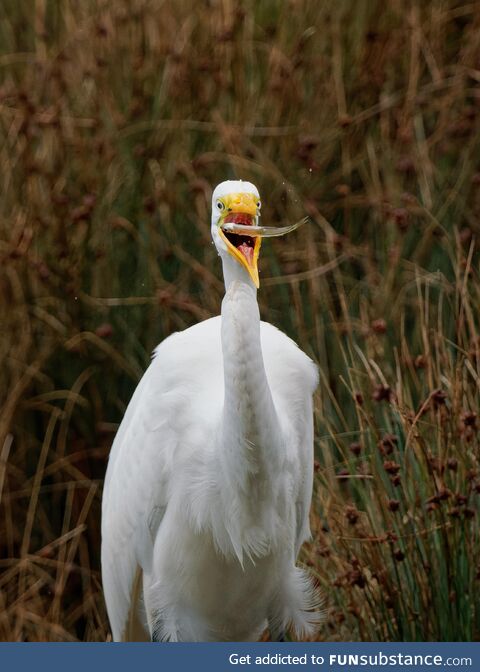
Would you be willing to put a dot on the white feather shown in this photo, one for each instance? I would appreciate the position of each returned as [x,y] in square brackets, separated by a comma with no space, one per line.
[208,487]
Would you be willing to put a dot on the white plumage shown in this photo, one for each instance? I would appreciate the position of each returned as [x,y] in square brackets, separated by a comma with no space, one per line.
[209,482]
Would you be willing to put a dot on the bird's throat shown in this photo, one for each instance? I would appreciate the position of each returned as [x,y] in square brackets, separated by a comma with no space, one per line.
[234,272]
[248,406]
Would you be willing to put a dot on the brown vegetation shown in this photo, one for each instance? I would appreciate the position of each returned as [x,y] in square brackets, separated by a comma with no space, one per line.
[115,121]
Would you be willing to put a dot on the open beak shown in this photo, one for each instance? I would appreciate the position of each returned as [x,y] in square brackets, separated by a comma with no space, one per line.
[242,235]
[242,210]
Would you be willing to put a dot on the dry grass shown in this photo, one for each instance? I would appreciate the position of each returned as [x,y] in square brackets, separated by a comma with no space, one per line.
[115,121]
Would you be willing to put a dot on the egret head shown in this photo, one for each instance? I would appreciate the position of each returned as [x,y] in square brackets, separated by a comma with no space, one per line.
[235,229]
[237,203]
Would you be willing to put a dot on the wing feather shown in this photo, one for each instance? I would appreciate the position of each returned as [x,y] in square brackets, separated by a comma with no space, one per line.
[144,453]
[293,378]
[181,395]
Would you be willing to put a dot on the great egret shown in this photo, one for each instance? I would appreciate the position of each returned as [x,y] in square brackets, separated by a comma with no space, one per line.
[209,481]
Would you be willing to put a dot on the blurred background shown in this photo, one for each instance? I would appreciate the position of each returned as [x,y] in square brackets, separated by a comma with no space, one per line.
[116,120]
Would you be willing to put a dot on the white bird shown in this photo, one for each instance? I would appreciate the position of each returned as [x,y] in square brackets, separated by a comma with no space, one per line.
[209,482]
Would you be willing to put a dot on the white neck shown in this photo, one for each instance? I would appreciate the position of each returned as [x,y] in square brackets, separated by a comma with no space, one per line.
[250,450]
[248,406]
[233,272]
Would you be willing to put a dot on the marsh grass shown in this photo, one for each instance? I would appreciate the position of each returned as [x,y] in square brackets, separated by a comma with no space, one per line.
[115,121]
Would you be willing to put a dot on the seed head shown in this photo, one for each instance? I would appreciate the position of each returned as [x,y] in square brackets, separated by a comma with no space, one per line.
[469,418]
[452,464]
[382,393]
[105,330]
[379,326]
[324,552]
[438,397]
[351,514]
[401,217]
[405,165]
[465,235]
[356,448]
[420,362]
[391,467]
[356,578]
[345,120]
[389,603]
[342,189]
[436,464]
[387,443]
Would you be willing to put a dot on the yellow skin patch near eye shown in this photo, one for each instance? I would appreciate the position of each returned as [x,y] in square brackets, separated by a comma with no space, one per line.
[232,207]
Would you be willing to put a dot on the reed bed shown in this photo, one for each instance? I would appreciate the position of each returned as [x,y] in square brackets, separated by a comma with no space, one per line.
[116,119]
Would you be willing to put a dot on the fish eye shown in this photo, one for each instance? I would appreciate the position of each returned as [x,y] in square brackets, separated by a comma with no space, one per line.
[220,205]
[259,204]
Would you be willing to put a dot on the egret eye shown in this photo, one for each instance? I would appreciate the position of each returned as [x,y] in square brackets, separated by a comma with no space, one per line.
[259,204]
[220,205]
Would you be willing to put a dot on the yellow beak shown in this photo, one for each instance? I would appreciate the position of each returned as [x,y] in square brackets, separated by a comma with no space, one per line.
[246,204]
